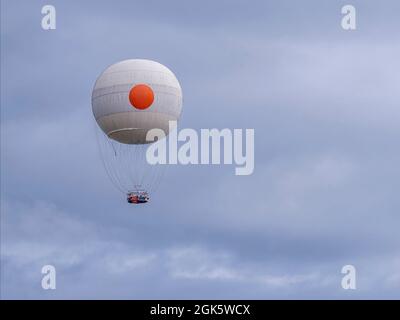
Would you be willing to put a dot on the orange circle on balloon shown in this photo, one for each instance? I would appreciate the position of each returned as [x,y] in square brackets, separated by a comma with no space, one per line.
[141,96]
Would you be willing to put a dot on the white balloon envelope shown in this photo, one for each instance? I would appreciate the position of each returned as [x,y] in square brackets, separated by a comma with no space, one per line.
[113,108]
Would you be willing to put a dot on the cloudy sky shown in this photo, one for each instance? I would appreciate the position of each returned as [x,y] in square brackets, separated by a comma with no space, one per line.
[324,104]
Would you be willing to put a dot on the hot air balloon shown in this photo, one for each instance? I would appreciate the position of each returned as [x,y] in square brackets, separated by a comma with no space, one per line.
[130,98]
